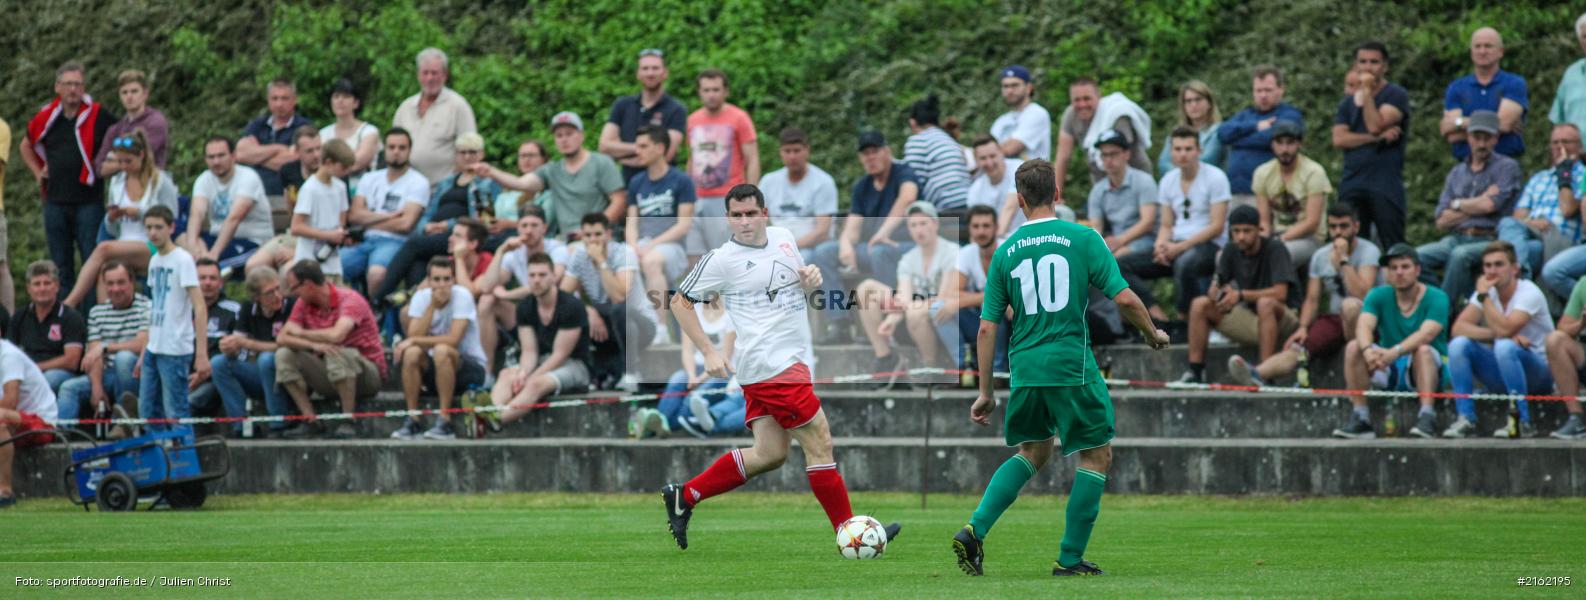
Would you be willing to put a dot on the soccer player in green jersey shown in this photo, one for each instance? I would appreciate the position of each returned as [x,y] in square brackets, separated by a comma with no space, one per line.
[1044,271]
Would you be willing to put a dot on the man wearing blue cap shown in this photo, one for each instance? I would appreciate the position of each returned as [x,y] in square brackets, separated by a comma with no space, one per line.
[1025,131]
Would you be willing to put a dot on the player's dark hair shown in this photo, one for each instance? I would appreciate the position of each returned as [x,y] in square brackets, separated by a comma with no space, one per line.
[308,271]
[531,210]
[161,212]
[442,262]
[713,73]
[1036,181]
[1185,131]
[402,132]
[656,133]
[596,218]
[793,135]
[983,139]
[206,262]
[473,229]
[980,210]
[112,266]
[927,111]
[1343,210]
[744,190]
[1501,246]
[305,131]
[541,258]
[231,145]
[1372,45]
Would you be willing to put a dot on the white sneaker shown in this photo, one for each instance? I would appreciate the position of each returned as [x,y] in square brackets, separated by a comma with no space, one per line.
[1460,429]
[629,383]
[1217,337]
[699,406]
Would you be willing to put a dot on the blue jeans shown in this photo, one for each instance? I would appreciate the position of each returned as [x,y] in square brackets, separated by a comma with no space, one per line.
[968,329]
[237,380]
[374,251]
[71,228]
[1458,256]
[1560,274]
[1503,367]
[674,400]
[729,413]
[56,377]
[117,380]
[163,390]
[878,261]
[1527,244]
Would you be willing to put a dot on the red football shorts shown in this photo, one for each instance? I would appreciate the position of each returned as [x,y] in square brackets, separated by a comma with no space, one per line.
[787,397]
[31,422]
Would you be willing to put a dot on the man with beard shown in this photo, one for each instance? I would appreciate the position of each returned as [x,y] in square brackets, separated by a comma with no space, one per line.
[387,207]
[1250,300]
[969,275]
[1291,194]
[1400,342]
[723,153]
[1025,131]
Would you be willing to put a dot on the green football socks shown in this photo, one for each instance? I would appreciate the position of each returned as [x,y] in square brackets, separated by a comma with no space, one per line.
[1001,492]
[1084,502]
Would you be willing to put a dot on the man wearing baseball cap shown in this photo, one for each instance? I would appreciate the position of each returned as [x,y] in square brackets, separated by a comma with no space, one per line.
[1477,193]
[583,181]
[1291,193]
[1252,298]
[1401,339]
[1025,131]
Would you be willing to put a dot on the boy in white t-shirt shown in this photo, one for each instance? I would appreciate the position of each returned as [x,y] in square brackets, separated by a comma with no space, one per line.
[319,220]
[442,350]
[26,404]
[1499,339]
[178,345]
[920,277]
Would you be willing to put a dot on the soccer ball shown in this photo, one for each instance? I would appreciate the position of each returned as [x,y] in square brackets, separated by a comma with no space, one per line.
[861,537]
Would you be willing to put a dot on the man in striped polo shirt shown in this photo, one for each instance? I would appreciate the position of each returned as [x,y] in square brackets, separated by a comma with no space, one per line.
[117,332]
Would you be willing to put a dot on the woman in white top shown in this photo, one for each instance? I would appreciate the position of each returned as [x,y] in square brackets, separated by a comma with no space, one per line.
[139,186]
[364,139]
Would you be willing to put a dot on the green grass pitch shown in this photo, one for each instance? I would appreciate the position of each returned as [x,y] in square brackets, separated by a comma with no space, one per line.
[779,546]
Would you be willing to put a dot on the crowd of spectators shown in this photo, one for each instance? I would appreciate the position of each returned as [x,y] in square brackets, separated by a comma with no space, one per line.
[369,254]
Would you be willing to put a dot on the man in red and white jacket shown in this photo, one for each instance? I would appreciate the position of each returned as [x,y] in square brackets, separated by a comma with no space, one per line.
[62,140]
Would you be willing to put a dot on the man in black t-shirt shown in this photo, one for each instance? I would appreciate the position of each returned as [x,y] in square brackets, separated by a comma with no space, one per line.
[1251,300]
[553,334]
[1371,127]
[49,332]
[222,320]
[651,106]
[245,366]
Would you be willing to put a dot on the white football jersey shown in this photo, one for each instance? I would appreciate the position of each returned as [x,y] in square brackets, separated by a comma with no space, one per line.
[760,286]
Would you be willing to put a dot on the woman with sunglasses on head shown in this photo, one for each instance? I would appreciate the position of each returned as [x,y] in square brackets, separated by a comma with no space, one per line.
[1197,108]
[139,186]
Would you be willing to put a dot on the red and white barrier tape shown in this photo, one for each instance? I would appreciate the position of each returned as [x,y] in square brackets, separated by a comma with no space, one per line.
[858,378]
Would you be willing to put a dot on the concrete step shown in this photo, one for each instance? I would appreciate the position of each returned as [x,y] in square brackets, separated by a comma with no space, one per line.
[1144,413]
[1537,467]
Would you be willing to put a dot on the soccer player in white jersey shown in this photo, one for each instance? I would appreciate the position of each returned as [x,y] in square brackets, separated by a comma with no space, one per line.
[762,281]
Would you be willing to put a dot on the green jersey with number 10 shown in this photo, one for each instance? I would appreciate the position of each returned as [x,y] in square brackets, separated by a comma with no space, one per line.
[1045,271]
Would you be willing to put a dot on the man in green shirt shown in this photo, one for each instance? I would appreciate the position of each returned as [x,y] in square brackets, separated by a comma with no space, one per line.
[1044,271]
[1401,338]
[1565,357]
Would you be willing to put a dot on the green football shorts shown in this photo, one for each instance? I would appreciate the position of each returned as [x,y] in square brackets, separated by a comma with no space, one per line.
[1079,416]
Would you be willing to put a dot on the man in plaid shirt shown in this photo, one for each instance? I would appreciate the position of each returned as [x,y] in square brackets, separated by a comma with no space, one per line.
[1547,219]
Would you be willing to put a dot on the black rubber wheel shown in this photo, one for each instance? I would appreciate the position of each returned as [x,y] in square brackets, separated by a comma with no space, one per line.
[187,496]
[117,493]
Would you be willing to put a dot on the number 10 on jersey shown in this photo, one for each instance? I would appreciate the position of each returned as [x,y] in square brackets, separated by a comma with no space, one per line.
[1043,282]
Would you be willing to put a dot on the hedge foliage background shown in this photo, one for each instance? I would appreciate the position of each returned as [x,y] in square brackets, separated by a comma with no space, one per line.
[829,67]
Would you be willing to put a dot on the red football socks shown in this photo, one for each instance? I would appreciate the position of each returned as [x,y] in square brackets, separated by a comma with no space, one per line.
[722,476]
[829,489]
